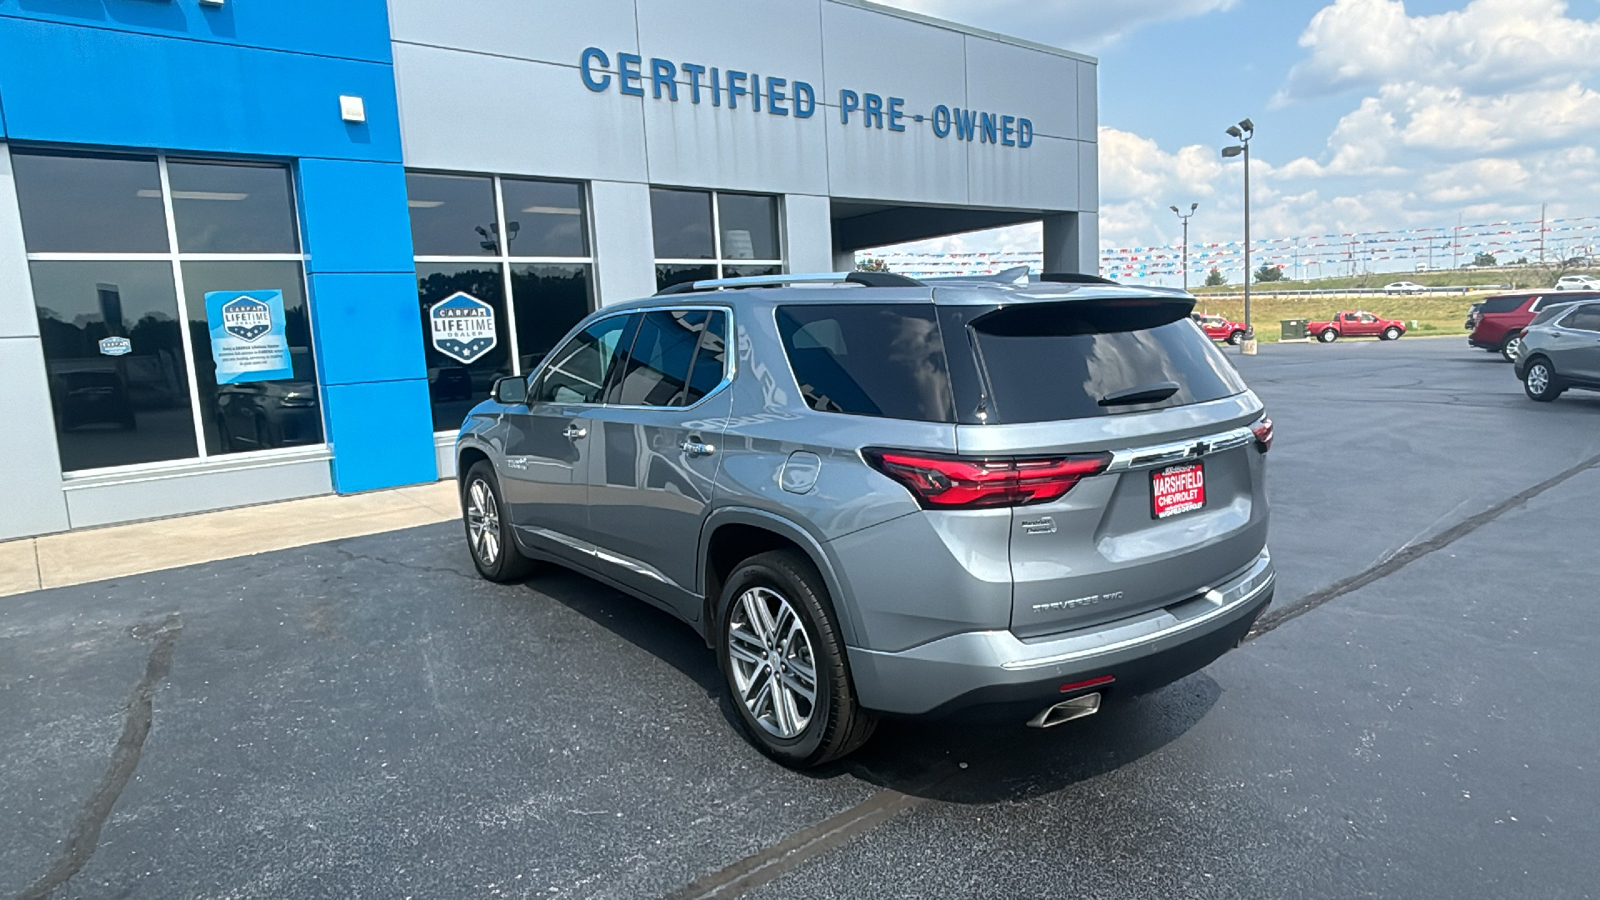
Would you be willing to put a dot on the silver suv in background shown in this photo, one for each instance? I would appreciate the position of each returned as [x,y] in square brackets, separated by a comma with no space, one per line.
[1561,350]
[874,496]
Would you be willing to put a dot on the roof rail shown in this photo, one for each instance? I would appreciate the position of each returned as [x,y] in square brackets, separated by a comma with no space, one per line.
[866,279]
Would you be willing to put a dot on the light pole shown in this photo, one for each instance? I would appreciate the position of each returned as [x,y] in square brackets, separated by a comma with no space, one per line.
[1242,133]
[1185,219]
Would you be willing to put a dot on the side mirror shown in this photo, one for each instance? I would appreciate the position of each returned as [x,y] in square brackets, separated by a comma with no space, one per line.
[511,390]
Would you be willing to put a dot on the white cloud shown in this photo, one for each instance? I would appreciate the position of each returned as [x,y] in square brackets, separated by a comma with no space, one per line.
[1482,114]
[1073,24]
[1488,45]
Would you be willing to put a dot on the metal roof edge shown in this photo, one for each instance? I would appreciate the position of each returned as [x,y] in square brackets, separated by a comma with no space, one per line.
[966,29]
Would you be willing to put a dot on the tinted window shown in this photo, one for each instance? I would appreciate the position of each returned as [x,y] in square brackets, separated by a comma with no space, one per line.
[1549,311]
[83,204]
[1062,361]
[710,361]
[113,349]
[452,215]
[577,372]
[682,223]
[1503,304]
[544,218]
[668,275]
[254,415]
[550,298]
[1584,318]
[657,369]
[461,378]
[749,226]
[232,208]
[871,360]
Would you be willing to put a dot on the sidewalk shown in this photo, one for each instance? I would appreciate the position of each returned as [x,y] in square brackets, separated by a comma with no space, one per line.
[78,557]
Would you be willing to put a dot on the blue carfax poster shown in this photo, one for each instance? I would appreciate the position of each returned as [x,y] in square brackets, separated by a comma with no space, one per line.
[248,339]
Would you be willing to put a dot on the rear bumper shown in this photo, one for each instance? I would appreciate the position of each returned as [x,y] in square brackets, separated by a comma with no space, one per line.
[995,668]
[1482,344]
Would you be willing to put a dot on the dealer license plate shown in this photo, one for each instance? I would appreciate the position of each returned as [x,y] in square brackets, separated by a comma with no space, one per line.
[1177,489]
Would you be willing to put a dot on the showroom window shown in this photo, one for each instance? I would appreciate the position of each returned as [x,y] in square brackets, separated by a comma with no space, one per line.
[126,253]
[714,234]
[468,265]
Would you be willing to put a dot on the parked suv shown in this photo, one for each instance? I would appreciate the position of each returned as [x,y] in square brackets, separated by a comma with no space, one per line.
[1501,318]
[883,497]
[1561,350]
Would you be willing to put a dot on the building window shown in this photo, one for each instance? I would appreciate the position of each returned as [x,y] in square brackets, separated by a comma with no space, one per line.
[714,234]
[494,300]
[125,251]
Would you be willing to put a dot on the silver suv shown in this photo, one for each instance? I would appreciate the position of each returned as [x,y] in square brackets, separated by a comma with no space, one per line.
[874,496]
[1561,350]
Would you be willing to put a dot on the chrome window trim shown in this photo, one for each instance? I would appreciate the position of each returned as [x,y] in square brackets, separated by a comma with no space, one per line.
[730,360]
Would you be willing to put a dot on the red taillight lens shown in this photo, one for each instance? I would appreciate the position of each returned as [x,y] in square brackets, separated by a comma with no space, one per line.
[960,482]
[1263,432]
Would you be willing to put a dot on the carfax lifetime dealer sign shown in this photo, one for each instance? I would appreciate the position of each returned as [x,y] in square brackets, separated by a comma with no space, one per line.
[248,338]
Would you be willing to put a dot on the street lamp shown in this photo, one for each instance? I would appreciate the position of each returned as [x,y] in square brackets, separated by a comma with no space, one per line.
[1183,217]
[1242,133]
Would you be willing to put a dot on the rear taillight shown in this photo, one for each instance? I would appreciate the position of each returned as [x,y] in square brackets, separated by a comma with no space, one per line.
[1263,432]
[966,482]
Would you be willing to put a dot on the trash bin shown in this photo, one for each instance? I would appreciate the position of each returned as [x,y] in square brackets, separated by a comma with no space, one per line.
[1295,329]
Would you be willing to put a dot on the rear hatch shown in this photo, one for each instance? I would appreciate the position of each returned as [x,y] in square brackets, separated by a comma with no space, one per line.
[1179,502]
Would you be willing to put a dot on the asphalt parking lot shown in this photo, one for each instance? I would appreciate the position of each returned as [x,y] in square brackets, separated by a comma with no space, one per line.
[366,718]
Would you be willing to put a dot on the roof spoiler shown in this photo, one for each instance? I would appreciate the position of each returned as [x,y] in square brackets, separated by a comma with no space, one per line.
[1074,278]
[865,279]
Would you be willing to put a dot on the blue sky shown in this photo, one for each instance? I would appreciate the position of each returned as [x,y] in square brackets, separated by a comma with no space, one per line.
[1370,114]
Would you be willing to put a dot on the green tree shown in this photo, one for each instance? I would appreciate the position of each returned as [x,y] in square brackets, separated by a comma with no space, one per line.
[1214,278]
[1485,259]
[1269,273]
[872,264]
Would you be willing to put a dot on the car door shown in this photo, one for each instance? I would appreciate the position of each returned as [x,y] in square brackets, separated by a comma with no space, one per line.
[545,480]
[1364,325]
[1578,352]
[658,437]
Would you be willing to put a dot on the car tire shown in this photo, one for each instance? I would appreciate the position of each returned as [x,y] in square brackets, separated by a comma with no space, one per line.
[774,612]
[1392,334]
[1328,336]
[489,537]
[1510,348]
[1539,380]
[1236,338]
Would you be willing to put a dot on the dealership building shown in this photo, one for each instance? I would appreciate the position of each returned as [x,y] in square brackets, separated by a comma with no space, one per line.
[253,250]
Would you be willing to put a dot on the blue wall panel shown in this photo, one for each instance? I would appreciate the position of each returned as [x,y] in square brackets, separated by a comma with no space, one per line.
[368,329]
[364,422]
[354,29]
[67,84]
[356,219]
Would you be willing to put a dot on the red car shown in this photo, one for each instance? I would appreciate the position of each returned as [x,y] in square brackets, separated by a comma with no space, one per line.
[1498,322]
[1218,328]
[1357,324]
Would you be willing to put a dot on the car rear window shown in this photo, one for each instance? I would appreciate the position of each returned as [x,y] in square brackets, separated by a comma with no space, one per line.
[1078,360]
[869,359]
[1035,362]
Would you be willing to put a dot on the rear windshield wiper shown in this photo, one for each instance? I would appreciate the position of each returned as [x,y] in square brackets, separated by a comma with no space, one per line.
[1154,392]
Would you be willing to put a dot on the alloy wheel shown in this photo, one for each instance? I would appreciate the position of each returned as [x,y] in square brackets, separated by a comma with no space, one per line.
[1538,379]
[774,668]
[483,522]
[1513,347]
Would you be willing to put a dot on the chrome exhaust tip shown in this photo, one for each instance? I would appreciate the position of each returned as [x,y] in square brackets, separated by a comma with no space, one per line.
[1066,711]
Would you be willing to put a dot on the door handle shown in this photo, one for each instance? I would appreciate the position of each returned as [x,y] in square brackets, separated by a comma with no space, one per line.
[696,448]
[576,431]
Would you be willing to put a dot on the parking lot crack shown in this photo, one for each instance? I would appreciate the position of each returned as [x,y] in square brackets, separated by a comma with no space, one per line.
[1411,553]
[408,566]
[137,717]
